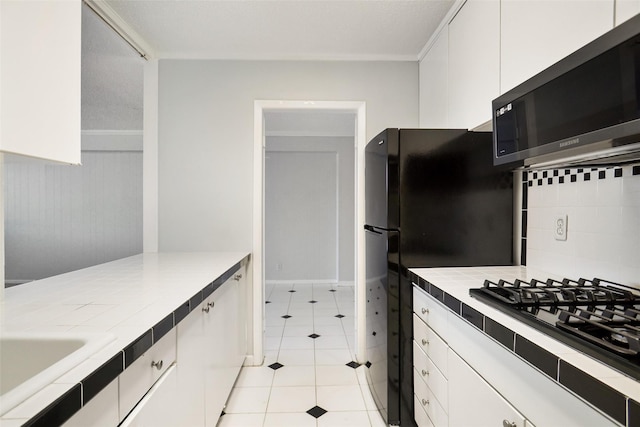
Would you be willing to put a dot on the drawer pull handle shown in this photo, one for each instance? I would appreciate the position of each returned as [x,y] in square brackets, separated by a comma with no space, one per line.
[425,310]
[507,423]
[157,365]
[237,277]
[426,402]
[425,373]
[425,342]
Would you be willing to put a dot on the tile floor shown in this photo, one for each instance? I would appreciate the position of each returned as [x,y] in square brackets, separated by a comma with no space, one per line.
[309,377]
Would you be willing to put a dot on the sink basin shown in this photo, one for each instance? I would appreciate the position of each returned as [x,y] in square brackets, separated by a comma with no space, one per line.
[28,363]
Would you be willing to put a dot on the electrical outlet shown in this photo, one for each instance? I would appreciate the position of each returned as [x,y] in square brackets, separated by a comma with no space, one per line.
[560,227]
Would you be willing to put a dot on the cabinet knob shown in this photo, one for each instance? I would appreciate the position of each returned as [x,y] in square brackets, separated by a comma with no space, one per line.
[425,341]
[507,423]
[425,373]
[157,365]
[425,310]
[425,402]
[206,308]
[211,304]
[237,277]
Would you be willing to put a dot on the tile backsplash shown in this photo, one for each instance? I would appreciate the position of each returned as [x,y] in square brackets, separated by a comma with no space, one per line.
[602,206]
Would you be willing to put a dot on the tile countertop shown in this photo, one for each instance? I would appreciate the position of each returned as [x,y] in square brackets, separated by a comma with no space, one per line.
[457,281]
[125,298]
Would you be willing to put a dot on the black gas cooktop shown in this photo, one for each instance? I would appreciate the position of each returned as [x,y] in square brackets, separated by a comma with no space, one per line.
[598,317]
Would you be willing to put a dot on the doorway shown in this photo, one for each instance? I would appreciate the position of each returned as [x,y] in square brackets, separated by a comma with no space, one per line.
[266,113]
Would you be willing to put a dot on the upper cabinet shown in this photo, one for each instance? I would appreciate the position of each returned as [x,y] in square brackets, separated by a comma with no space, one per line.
[536,34]
[474,63]
[40,78]
[433,84]
[625,9]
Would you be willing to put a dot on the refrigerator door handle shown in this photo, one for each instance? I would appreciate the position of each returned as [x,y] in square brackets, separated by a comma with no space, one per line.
[374,229]
[371,228]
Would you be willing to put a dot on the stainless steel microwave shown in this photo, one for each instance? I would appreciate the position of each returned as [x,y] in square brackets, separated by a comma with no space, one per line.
[585,109]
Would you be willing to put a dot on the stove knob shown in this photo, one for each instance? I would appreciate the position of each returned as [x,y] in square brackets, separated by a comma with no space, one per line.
[507,423]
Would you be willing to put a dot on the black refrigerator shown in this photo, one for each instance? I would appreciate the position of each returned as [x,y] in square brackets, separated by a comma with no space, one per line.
[433,199]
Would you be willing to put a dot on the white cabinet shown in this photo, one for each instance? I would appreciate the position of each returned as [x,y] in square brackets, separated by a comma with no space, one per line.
[430,361]
[101,411]
[140,376]
[156,409]
[211,351]
[537,34]
[40,77]
[474,63]
[433,84]
[625,9]
[474,402]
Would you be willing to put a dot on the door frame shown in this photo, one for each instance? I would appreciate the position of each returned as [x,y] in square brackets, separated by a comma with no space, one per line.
[257,314]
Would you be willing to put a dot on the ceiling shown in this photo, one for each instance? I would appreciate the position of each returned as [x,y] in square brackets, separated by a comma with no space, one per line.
[284,29]
[112,72]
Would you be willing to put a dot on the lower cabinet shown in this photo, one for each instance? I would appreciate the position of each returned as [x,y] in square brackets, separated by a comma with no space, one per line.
[186,377]
[156,407]
[211,346]
[474,402]
[447,391]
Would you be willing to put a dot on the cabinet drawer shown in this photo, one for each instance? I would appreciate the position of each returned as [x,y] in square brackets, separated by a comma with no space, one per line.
[419,414]
[429,403]
[431,375]
[138,378]
[431,311]
[431,344]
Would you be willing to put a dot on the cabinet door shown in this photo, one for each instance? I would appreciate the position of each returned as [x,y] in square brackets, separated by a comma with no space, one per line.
[433,84]
[537,34]
[156,409]
[40,78]
[219,341]
[190,368]
[101,411]
[473,402]
[474,63]
[625,9]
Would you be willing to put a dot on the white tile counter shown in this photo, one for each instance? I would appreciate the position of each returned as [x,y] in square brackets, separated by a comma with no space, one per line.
[452,285]
[129,298]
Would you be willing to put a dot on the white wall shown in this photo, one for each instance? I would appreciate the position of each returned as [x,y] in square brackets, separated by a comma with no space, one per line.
[61,218]
[280,245]
[603,226]
[205,134]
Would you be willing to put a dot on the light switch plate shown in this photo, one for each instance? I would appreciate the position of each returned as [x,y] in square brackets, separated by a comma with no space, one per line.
[560,227]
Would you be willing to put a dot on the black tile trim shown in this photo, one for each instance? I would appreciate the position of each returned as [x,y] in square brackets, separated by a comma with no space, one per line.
[597,393]
[102,377]
[59,411]
[181,312]
[453,303]
[436,292]
[500,333]
[473,316]
[634,413]
[195,301]
[137,348]
[162,327]
[537,356]
[227,274]
[208,290]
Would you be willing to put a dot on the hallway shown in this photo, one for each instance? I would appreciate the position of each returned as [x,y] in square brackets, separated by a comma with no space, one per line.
[309,377]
